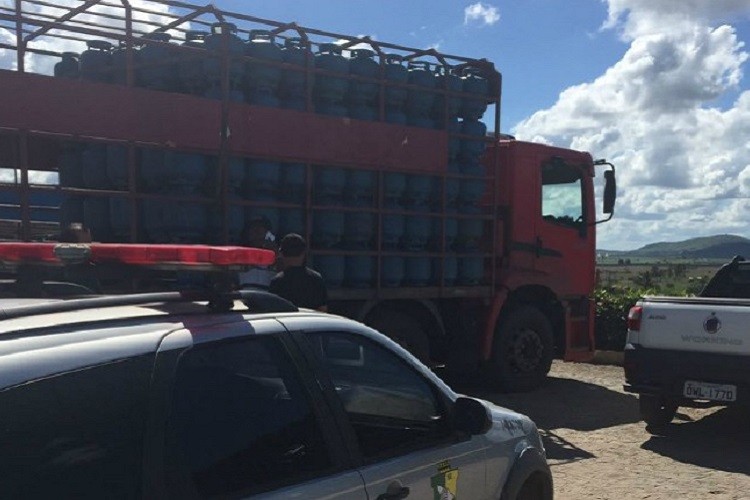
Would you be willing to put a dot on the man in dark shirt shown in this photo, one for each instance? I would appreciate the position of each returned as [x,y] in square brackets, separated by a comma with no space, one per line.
[297,283]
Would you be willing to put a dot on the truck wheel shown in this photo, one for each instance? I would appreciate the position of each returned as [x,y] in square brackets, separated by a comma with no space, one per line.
[403,329]
[522,350]
[656,411]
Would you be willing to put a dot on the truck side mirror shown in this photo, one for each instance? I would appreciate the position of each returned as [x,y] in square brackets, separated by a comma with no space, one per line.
[610,192]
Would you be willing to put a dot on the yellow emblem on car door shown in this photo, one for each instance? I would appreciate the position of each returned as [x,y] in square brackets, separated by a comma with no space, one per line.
[445,483]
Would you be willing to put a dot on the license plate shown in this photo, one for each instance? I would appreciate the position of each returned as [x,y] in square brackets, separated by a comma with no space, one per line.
[711,392]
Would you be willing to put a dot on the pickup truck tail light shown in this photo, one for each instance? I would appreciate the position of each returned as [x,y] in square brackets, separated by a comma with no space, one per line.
[634,318]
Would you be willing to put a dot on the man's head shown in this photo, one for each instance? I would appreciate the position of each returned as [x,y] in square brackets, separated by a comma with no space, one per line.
[292,249]
[255,231]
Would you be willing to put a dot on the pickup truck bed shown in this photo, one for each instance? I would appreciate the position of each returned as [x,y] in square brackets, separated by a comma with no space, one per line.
[687,352]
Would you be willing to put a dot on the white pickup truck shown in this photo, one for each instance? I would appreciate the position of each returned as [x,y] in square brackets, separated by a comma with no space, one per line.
[691,351]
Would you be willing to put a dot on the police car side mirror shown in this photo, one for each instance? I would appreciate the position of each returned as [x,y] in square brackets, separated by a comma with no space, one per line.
[471,416]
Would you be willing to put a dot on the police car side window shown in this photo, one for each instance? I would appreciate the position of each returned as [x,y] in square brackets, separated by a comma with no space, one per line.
[391,407]
[240,422]
[77,434]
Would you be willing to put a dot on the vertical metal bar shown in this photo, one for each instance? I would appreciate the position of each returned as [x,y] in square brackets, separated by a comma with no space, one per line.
[132,198]
[20,44]
[23,167]
[224,148]
[496,176]
[129,53]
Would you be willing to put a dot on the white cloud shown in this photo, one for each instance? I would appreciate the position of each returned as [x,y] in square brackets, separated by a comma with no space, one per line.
[682,160]
[35,63]
[482,13]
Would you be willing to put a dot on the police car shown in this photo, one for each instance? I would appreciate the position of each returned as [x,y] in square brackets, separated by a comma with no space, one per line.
[234,394]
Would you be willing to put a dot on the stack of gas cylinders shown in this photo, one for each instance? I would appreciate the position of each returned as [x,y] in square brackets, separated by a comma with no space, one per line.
[356,214]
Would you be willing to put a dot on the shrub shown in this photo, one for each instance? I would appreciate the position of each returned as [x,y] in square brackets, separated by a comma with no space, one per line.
[611,322]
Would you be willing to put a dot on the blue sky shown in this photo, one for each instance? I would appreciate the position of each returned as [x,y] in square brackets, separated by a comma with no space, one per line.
[658,87]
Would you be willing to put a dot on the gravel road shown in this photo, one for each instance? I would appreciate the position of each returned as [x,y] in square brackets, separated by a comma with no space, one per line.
[598,448]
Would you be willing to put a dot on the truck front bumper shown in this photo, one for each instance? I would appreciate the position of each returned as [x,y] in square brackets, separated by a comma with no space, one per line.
[662,372]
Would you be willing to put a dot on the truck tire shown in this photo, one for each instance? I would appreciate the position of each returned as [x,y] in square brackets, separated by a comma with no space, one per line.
[403,329]
[656,411]
[522,350]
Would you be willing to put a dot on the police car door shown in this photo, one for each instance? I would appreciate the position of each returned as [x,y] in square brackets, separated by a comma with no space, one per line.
[242,421]
[406,446]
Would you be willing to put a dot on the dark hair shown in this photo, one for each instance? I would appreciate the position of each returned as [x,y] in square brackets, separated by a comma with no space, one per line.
[259,220]
[292,245]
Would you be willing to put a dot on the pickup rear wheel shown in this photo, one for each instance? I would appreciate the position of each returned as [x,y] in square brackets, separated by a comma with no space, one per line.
[656,411]
[522,350]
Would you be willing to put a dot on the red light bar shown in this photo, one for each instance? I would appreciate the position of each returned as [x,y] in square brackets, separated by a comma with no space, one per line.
[139,254]
[18,253]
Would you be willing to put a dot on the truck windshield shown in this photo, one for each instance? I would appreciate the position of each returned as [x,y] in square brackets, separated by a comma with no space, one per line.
[562,200]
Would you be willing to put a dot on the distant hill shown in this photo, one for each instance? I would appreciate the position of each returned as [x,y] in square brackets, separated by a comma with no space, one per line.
[724,246]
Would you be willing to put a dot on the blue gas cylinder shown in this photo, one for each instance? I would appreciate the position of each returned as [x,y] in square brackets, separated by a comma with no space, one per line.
[361,96]
[237,176]
[330,91]
[69,166]
[119,218]
[120,63]
[156,71]
[332,268]
[152,172]
[262,181]
[292,220]
[262,80]
[419,102]
[394,226]
[292,89]
[214,92]
[448,80]
[96,61]
[472,149]
[394,185]
[235,224]
[448,228]
[187,172]
[214,43]
[454,143]
[117,166]
[392,271]
[450,270]
[294,182]
[417,233]
[330,183]
[470,271]
[452,187]
[359,271]
[358,230]
[328,229]
[71,210]
[360,185]
[68,65]
[190,66]
[474,107]
[395,73]
[418,271]
[418,191]
[94,166]
[470,232]
[175,222]
[472,189]
[96,218]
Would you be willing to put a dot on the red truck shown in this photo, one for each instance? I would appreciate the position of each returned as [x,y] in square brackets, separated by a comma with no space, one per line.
[474,250]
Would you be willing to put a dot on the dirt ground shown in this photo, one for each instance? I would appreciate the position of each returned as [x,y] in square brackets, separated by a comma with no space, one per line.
[598,448]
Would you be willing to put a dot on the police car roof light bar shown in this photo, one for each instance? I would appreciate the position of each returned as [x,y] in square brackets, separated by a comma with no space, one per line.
[134,254]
